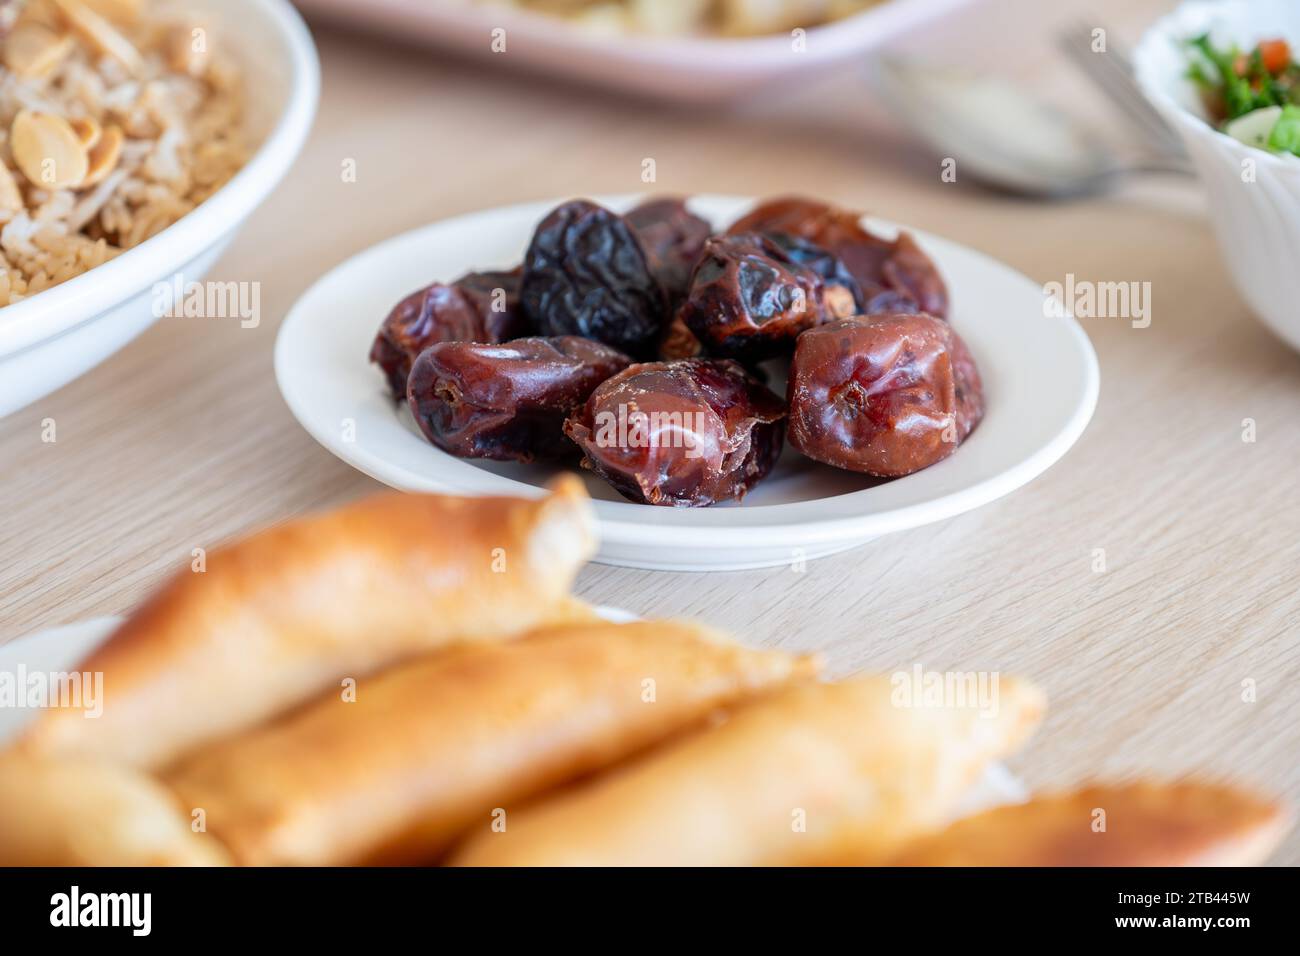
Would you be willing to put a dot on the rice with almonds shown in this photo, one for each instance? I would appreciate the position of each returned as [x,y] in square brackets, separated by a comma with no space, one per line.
[117,117]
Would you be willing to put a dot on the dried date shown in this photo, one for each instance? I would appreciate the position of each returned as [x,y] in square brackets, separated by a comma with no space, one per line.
[507,401]
[968,388]
[879,265]
[478,307]
[750,300]
[886,395]
[686,433]
[843,295]
[679,342]
[673,238]
[587,274]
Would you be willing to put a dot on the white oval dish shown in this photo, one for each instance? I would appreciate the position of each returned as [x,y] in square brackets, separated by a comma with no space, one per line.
[56,335]
[1040,378]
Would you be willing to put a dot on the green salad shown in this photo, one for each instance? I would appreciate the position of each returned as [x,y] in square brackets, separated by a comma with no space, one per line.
[1254,95]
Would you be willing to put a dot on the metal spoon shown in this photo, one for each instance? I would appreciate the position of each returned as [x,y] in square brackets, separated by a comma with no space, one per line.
[996,133]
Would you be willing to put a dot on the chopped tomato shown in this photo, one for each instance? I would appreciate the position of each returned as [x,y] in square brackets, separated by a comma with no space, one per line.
[1275,55]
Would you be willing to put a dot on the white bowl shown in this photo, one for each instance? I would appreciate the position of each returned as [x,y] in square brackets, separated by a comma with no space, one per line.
[56,335]
[1040,378]
[699,69]
[1254,195]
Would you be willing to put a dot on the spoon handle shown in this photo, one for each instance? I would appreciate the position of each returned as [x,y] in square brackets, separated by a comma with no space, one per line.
[1160,163]
[1111,72]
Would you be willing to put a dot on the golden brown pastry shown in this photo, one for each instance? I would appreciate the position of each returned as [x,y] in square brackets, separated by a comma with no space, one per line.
[802,776]
[1136,824]
[82,813]
[433,745]
[280,615]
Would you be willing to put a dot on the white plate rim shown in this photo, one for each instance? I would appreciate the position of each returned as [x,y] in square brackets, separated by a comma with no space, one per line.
[760,527]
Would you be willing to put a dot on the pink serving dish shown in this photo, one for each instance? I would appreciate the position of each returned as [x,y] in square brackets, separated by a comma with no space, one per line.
[686,68]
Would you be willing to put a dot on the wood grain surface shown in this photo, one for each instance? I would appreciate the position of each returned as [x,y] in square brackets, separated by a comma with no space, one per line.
[182,440]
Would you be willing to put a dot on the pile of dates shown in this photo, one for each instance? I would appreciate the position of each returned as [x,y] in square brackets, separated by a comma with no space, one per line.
[633,342]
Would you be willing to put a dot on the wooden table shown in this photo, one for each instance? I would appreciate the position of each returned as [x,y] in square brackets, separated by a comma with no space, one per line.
[182,439]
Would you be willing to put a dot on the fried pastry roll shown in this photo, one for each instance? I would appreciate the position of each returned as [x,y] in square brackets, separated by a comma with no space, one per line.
[431,746]
[797,777]
[83,813]
[1136,824]
[280,615]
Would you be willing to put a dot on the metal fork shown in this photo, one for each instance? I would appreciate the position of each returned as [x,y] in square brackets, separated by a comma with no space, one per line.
[1112,72]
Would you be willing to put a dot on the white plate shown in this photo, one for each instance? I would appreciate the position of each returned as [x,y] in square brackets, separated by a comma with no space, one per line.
[59,649]
[685,68]
[1040,378]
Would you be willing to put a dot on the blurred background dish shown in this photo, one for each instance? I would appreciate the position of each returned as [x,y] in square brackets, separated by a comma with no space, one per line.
[1254,194]
[1013,140]
[52,336]
[685,50]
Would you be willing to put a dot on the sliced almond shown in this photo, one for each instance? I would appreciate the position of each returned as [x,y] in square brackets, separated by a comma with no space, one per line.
[11,197]
[33,50]
[47,150]
[103,158]
[839,302]
[121,11]
[41,12]
[101,34]
[187,50]
[87,131]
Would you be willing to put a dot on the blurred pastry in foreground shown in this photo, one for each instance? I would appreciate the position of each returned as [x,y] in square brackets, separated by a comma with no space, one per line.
[278,616]
[433,745]
[1135,824]
[83,813]
[807,775]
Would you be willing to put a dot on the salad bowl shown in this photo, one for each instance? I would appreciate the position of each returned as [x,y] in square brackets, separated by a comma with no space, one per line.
[1253,193]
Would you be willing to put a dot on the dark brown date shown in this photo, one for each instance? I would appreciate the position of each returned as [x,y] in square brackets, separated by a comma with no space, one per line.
[843,296]
[968,388]
[679,342]
[496,298]
[586,274]
[686,433]
[673,238]
[878,264]
[749,299]
[477,307]
[507,401]
[886,395]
